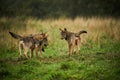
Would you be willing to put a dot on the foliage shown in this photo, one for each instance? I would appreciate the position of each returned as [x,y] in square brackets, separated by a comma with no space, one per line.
[53,8]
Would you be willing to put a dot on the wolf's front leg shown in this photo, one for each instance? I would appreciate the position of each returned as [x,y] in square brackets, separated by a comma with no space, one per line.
[25,53]
[36,50]
[31,53]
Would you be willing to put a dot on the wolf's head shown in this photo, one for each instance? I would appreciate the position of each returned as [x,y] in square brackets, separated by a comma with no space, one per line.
[42,38]
[45,39]
[63,33]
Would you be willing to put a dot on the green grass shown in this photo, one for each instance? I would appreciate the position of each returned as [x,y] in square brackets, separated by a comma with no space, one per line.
[57,65]
[69,68]
[99,56]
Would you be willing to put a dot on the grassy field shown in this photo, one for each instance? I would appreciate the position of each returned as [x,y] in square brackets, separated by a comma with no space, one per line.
[99,57]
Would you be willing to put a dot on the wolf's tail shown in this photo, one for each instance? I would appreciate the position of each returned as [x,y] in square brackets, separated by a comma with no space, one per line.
[81,32]
[16,36]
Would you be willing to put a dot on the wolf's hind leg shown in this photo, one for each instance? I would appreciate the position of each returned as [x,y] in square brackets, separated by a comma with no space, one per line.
[74,49]
[31,53]
[79,44]
[41,51]
[69,47]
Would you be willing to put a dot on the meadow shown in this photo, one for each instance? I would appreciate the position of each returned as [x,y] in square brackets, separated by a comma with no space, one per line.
[99,57]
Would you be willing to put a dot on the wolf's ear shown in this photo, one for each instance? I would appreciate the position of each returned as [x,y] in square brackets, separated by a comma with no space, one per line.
[65,29]
[60,29]
[46,35]
[42,33]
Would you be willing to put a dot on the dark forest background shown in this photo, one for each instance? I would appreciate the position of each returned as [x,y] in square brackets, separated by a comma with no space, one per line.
[58,8]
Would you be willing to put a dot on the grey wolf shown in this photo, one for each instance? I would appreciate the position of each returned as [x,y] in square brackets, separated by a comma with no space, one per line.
[73,39]
[31,42]
[42,38]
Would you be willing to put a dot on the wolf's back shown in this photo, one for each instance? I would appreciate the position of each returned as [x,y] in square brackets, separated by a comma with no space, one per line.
[16,36]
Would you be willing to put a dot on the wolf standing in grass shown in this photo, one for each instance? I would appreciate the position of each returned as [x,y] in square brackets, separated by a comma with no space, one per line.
[73,39]
[30,43]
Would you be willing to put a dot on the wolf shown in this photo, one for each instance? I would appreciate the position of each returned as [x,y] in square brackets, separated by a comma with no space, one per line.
[73,39]
[31,42]
[43,42]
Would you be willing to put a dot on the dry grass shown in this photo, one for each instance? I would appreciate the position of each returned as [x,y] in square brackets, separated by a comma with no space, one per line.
[96,28]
